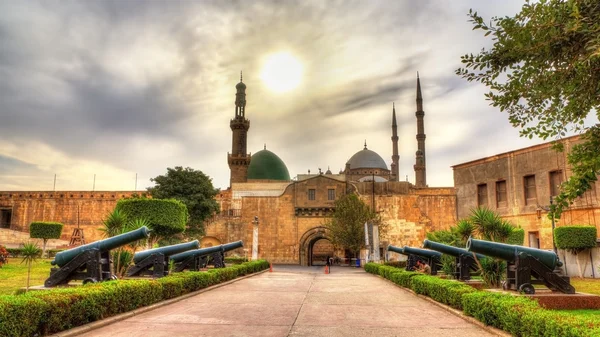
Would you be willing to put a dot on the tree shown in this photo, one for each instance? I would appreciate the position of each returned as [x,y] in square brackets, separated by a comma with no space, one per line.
[347,224]
[30,252]
[194,189]
[45,231]
[544,71]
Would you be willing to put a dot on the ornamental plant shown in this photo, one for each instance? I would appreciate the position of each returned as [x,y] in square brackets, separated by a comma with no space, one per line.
[45,231]
[30,252]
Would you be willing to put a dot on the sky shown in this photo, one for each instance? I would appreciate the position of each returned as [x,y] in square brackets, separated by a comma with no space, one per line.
[122,89]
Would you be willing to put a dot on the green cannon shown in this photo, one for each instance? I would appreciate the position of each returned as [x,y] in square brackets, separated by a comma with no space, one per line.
[465,262]
[523,264]
[91,262]
[199,258]
[432,258]
[155,262]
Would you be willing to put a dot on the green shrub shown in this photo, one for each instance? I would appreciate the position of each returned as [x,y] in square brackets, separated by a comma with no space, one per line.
[165,216]
[45,230]
[235,260]
[444,291]
[516,237]
[575,238]
[397,264]
[404,279]
[47,312]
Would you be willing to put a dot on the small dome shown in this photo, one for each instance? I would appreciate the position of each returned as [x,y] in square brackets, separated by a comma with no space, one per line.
[266,165]
[240,85]
[367,159]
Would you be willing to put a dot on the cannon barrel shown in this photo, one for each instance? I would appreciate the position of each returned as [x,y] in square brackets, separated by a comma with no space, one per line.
[396,249]
[116,241]
[421,252]
[509,252]
[206,251]
[166,250]
[449,250]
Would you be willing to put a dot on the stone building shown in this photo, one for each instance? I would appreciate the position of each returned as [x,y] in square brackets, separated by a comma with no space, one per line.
[519,186]
[290,214]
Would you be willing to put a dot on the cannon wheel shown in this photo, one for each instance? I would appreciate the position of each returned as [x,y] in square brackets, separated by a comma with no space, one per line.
[90,280]
[527,288]
[114,277]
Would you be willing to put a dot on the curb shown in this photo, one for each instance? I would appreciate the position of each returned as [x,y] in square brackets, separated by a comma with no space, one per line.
[455,312]
[101,323]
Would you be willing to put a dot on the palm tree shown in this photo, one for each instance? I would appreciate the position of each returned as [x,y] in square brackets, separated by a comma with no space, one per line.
[30,253]
[124,257]
[114,223]
[489,225]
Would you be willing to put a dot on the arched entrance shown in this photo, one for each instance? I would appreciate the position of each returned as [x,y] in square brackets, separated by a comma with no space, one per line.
[209,241]
[315,244]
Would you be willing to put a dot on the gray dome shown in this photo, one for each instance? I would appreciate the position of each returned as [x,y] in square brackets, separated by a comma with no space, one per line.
[367,159]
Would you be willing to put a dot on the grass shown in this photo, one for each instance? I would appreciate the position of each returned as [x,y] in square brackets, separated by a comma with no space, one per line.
[13,275]
[590,313]
[586,285]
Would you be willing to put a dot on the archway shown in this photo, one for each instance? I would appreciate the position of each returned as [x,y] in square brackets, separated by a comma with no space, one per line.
[309,239]
[209,241]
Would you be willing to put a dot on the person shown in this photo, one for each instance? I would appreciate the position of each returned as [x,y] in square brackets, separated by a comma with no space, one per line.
[423,267]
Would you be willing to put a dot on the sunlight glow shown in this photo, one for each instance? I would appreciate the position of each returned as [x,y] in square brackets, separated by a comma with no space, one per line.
[282,72]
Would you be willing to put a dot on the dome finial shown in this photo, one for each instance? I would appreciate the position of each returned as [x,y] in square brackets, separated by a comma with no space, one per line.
[365,144]
[241,78]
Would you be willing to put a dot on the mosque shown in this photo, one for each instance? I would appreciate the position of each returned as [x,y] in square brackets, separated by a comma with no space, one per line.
[289,215]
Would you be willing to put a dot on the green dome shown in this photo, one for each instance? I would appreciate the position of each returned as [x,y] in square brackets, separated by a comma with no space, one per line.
[266,165]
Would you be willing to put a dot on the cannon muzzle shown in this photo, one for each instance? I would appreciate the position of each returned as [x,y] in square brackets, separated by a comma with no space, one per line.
[166,250]
[449,250]
[116,241]
[422,252]
[396,249]
[509,252]
[206,251]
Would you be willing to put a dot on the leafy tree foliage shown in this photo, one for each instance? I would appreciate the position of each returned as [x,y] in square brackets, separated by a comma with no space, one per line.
[194,189]
[165,217]
[544,71]
[45,231]
[347,225]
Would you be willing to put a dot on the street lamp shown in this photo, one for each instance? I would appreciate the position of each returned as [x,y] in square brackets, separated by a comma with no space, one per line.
[255,239]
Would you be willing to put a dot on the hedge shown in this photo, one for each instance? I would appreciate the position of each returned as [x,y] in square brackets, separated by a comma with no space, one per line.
[516,237]
[520,316]
[46,312]
[575,238]
[165,216]
[45,230]
[16,252]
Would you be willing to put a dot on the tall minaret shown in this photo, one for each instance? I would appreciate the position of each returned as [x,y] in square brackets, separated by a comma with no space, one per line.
[239,159]
[395,156]
[420,168]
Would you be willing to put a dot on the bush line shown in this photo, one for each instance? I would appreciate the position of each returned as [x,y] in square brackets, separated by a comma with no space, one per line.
[520,316]
[46,312]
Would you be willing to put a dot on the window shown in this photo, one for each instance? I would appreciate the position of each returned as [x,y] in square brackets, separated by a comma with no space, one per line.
[501,199]
[534,240]
[311,194]
[529,188]
[555,181]
[482,197]
[5,218]
[331,194]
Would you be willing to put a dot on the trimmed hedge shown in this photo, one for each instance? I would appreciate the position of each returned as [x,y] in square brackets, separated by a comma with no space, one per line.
[16,252]
[235,260]
[47,312]
[45,230]
[520,316]
[516,237]
[165,216]
[575,238]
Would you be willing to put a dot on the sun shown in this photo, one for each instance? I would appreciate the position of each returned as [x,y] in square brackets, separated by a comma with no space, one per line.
[282,72]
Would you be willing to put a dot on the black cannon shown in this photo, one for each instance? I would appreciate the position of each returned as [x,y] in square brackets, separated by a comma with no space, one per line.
[523,264]
[199,258]
[155,262]
[91,262]
[465,262]
[432,258]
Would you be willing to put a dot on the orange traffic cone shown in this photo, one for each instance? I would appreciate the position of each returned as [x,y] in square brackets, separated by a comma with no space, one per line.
[270,267]
[326,269]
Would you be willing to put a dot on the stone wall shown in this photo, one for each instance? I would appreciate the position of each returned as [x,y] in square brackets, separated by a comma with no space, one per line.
[72,208]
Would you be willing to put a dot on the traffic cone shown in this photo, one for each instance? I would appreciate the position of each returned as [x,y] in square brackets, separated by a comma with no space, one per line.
[326,269]
[270,267]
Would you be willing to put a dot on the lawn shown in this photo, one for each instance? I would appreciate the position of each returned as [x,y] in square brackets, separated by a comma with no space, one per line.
[586,285]
[14,274]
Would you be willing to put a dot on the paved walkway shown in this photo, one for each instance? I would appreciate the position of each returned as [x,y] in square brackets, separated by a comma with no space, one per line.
[297,301]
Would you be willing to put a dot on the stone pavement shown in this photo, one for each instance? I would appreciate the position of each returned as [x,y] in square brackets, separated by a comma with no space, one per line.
[298,301]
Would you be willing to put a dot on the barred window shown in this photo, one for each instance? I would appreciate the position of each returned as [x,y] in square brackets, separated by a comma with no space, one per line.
[331,194]
[482,195]
[556,178]
[311,194]
[529,189]
[501,198]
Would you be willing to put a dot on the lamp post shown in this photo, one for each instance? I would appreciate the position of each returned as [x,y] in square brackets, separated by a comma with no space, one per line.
[255,239]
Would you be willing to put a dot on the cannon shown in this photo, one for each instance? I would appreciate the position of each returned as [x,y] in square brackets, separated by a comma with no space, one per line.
[198,258]
[432,258]
[465,262]
[90,263]
[523,264]
[155,262]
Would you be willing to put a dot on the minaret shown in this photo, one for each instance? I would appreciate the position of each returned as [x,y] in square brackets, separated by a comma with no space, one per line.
[239,159]
[420,168]
[395,156]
